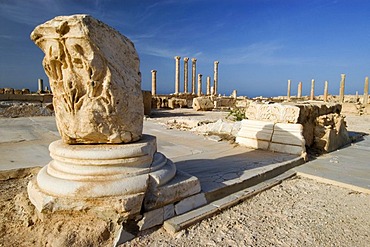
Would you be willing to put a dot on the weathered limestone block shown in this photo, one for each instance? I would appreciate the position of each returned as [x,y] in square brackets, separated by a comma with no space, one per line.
[330,133]
[17,91]
[94,75]
[255,134]
[177,103]
[224,102]
[8,90]
[288,138]
[273,112]
[276,137]
[1,90]
[202,104]
[25,91]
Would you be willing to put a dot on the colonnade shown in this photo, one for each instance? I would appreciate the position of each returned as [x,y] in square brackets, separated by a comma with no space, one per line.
[196,86]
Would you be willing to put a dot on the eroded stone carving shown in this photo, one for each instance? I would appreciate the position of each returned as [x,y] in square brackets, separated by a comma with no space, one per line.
[94,75]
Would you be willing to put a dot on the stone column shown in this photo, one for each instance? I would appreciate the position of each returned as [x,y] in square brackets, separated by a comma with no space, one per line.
[40,85]
[312,95]
[326,91]
[154,82]
[234,94]
[299,94]
[366,91]
[177,75]
[186,74]
[341,90]
[215,77]
[208,85]
[288,92]
[193,74]
[199,85]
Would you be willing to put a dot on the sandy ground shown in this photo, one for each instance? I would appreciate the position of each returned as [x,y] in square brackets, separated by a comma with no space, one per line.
[298,212]
[20,225]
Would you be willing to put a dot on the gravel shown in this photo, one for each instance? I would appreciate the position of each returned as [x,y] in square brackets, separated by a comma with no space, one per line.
[298,212]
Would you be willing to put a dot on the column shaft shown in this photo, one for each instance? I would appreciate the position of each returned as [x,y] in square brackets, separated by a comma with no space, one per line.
[199,85]
[366,91]
[177,75]
[186,74]
[288,91]
[299,94]
[312,95]
[40,85]
[326,91]
[193,74]
[341,90]
[154,82]
[215,77]
[208,85]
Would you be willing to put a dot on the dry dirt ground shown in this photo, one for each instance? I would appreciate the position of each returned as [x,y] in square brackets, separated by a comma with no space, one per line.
[20,225]
[298,212]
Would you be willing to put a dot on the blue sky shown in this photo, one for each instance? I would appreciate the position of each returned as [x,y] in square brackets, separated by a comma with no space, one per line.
[260,44]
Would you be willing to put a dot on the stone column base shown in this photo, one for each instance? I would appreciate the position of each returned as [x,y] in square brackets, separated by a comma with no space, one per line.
[103,177]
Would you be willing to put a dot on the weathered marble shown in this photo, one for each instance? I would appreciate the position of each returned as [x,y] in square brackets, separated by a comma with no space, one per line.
[276,137]
[94,75]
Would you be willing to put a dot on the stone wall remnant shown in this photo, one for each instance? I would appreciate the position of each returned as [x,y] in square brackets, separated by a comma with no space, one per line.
[203,104]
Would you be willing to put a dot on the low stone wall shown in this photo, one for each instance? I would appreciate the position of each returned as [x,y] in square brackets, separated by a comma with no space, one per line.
[324,128]
[43,98]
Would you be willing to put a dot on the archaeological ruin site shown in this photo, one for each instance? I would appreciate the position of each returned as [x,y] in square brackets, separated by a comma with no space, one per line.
[94,160]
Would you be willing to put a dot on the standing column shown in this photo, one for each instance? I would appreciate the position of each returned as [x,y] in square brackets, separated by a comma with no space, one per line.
[299,94]
[326,91]
[208,85]
[312,95]
[193,74]
[215,77]
[341,90]
[154,82]
[186,74]
[40,86]
[288,93]
[366,92]
[199,85]
[177,75]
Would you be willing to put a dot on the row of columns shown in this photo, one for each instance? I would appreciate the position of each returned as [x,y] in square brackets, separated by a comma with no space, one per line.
[341,90]
[186,78]
[193,76]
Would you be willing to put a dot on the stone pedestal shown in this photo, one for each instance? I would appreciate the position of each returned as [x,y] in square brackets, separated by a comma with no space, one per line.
[103,177]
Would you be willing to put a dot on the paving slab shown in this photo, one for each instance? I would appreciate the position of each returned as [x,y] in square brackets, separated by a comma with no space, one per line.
[218,165]
[348,167]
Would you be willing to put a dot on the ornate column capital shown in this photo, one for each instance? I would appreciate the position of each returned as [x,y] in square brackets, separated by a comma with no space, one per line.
[177,57]
[186,59]
[193,60]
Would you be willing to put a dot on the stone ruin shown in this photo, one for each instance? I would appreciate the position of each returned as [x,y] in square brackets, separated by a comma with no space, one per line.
[290,127]
[94,75]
